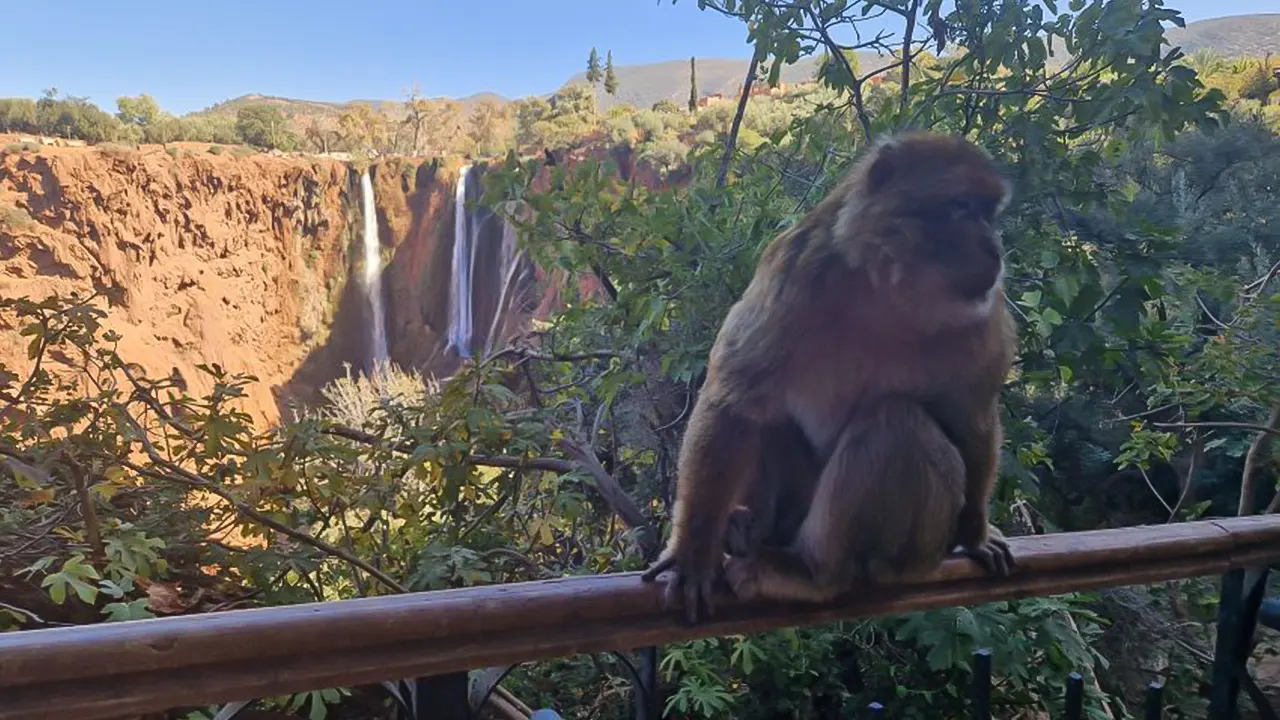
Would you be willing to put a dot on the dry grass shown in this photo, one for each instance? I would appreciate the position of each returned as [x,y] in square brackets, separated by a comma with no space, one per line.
[116,150]
[355,400]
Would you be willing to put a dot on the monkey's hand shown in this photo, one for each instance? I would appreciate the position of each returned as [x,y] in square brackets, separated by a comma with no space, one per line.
[692,584]
[992,553]
[743,575]
[737,538]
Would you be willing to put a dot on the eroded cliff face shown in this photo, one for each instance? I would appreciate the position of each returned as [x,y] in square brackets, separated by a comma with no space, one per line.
[198,258]
[254,262]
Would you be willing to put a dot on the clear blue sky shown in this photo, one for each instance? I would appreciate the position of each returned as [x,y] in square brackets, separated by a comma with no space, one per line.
[189,54]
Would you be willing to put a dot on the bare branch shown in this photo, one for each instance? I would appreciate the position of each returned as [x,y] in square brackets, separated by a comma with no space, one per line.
[732,140]
[1225,424]
[1258,449]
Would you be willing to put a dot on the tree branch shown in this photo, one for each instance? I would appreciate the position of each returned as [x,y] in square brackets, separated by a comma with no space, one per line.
[190,478]
[1275,431]
[723,176]
[1258,449]
[614,496]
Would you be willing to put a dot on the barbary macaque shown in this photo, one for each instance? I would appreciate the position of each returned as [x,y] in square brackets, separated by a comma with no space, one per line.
[876,327]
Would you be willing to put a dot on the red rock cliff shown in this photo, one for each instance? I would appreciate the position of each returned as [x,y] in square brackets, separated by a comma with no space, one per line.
[199,257]
[253,262]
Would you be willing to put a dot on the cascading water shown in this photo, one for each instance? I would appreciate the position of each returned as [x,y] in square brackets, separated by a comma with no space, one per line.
[460,277]
[509,273]
[373,272]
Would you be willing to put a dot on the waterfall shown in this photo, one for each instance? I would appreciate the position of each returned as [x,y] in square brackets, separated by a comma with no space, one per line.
[373,272]
[468,234]
[460,278]
[509,271]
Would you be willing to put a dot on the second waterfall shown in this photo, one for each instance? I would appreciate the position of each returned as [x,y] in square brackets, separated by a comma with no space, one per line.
[373,273]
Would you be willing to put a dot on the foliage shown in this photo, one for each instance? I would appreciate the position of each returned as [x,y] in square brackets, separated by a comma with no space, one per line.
[142,110]
[264,126]
[693,85]
[18,115]
[610,79]
[570,115]
[1126,240]
[594,74]
[365,130]
[74,117]
[1143,249]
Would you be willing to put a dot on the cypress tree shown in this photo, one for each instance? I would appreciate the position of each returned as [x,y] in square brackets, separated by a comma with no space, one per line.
[693,86]
[610,80]
[593,67]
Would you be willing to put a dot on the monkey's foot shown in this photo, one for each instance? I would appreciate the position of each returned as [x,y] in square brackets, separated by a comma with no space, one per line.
[992,554]
[743,576]
[663,564]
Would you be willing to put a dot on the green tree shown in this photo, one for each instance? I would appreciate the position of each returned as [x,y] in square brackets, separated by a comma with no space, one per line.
[365,129]
[489,129]
[693,85]
[74,117]
[666,105]
[1258,84]
[18,115]
[593,67]
[1106,327]
[142,110]
[833,73]
[263,125]
[610,79]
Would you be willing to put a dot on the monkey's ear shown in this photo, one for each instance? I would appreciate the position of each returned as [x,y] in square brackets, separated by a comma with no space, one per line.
[884,165]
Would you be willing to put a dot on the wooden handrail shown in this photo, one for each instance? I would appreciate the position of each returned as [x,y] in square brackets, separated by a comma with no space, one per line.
[113,669]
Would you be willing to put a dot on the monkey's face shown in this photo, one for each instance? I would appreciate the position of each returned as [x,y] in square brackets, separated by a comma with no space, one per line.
[959,244]
[934,201]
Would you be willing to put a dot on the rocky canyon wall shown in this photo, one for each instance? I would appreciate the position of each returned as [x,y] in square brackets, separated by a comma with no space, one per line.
[197,258]
[254,262]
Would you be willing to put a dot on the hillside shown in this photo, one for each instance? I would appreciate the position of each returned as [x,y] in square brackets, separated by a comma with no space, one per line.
[643,85]
[1239,35]
[298,109]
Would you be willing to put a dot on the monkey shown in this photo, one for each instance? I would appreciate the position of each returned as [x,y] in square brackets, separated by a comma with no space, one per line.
[877,325]
[765,515]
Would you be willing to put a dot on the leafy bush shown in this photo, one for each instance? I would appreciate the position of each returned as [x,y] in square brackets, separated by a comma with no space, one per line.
[264,126]
[18,115]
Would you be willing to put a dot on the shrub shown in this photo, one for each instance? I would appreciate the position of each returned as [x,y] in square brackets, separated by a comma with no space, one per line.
[18,115]
[116,150]
[14,218]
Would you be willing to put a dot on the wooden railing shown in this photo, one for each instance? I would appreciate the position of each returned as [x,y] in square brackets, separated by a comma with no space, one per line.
[117,669]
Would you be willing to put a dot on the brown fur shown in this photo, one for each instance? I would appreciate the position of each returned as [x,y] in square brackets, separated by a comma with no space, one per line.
[776,499]
[878,326]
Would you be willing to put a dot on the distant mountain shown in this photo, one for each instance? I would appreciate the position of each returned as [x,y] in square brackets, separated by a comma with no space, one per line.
[1235,36]
[643,85]
[298,110]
